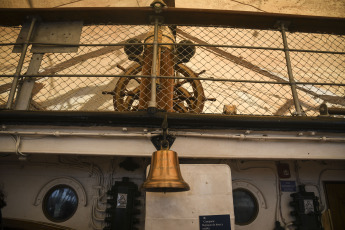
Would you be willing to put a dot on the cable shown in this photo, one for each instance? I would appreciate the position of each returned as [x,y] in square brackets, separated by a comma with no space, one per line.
[17,140]
[298,180]
[280,205]
[94,207]
[93,223]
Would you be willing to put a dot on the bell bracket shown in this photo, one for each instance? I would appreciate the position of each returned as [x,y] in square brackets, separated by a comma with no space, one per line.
[159,142]
[163,141]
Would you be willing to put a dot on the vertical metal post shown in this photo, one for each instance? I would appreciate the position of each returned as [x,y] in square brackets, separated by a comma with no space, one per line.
[153,102]
[289,69]
[20,65]
[24,94]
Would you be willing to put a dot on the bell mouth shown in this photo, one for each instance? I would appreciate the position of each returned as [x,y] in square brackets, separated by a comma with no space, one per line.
[166,189]
[161,186]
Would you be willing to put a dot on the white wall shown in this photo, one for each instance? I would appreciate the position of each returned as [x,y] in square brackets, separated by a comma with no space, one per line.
[22,180]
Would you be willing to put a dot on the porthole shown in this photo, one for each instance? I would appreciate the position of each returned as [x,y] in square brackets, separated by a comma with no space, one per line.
[60,203]
[245,206]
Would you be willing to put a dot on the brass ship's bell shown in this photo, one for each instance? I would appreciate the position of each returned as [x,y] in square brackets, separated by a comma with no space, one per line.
[165,174]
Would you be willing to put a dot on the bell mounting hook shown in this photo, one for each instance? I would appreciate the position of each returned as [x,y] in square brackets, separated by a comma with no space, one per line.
[158,6]
[163,141]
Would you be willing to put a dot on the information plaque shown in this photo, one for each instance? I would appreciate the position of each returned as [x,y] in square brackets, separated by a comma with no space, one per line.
[288,186]
[215,222]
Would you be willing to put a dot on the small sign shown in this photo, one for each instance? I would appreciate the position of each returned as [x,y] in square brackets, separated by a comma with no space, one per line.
[121,200]
[288,186]
[215,222]
[308,206]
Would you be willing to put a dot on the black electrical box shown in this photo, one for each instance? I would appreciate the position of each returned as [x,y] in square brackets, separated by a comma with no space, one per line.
[121,212]
[306,210]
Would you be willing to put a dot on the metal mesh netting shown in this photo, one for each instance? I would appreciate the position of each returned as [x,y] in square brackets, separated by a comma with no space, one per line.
[8,60]
[325,66]
[200,70]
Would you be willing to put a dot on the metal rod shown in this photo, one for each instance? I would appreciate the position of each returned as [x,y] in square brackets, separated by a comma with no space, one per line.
[20,65]
[336,111]
[153,101]
[289,69]
[74,44]
[96,134]
[258,137]
[177,134]
[253,47]
[326,111]
[178,44]
[184,78]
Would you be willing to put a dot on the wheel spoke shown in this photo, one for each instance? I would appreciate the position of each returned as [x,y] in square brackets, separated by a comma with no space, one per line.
[180,83]
[129,93]
[125,97]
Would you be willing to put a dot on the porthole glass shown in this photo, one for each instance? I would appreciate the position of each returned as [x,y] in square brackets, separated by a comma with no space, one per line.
[60,203]
[245,206]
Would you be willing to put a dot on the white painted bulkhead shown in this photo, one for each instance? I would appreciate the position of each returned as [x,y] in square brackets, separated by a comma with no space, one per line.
[23,179]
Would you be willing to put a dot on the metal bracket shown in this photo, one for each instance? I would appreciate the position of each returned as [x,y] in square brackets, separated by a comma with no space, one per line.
[327,111]
[281,23]
[163,141]
[323,110]
[157,141]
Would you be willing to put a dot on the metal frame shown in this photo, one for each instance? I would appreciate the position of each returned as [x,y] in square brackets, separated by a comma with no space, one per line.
[253,21]
[177,44]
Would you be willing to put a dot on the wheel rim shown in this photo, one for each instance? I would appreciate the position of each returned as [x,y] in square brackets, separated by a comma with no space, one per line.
[189,95]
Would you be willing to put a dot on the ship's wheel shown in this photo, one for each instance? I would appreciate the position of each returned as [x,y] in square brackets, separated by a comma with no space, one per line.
[188,97]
